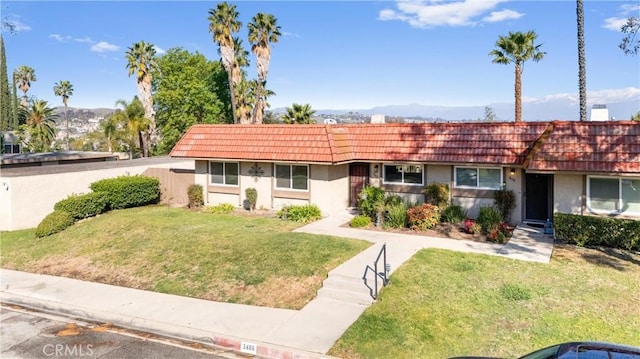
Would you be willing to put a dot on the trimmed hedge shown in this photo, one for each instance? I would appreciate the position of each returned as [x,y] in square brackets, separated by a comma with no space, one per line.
[597,231]
[129,191]
[300,213]
[84,205]
[54,222]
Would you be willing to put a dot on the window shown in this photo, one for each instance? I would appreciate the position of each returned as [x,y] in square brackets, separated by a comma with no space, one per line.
[292,177]
[613,195]
[478,177]
[403,174]
[224,173]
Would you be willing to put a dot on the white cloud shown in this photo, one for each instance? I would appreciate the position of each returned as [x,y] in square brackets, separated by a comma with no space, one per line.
[85,39]
[502,15]
[104,46]
[629,8]
[432,13]
[600,96]
[59,37]
[19,26]
[286,33]
[626,10]
[159,50]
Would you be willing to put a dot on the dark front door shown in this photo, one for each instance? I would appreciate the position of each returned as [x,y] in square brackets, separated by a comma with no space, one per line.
[538,197]
[358,178]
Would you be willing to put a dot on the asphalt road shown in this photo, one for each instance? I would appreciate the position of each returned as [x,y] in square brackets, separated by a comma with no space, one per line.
[26,334]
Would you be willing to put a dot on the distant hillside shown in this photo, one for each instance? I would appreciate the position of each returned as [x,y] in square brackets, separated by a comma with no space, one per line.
[84,113]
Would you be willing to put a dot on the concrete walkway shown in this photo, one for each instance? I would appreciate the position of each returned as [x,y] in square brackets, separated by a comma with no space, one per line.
[267,332]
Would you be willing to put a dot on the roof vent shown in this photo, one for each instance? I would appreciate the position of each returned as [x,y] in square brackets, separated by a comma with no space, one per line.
[599,112]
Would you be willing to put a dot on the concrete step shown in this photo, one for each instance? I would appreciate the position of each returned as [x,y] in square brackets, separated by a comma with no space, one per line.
[348,296]
[343,282]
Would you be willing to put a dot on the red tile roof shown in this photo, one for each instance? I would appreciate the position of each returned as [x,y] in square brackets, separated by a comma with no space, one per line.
[557,146]
[612,147]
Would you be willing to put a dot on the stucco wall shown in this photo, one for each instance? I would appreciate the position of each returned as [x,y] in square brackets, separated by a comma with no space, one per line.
[262,183]
[567,191]
[26,200]
[330,187]
[514,183]
[438,173]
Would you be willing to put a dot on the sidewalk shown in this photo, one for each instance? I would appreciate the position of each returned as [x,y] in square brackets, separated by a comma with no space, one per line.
[267,332]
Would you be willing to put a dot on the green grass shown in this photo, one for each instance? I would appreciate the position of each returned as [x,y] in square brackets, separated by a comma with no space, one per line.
[242,259]
[442,304]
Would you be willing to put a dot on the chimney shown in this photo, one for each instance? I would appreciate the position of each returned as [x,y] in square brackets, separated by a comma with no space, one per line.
[599,112]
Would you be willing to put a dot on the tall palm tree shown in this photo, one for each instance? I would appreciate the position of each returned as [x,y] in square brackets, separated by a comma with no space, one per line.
[243,88]
[263,30]
[518,48]
[24,76]
[40,125]
[64,89]
[223,23]
[141,61]
[582,74]
[299,114]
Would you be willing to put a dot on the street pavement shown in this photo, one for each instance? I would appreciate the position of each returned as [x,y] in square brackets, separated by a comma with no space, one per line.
[28,334]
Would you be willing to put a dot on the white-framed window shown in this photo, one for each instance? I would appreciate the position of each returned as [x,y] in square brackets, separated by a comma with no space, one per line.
[224,173]
[478,177]
[294,177]
[403,174]
[613,195]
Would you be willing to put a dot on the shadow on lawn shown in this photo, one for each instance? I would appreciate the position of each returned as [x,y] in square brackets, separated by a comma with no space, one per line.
[611,257]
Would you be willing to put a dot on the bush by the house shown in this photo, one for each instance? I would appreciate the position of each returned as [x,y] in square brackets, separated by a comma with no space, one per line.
[129,191]
[371,201]
[54,222]
[472,227]
[396,216]
[505,202]
[252,197]
[489,218]
[423,217]
[597,231]
[500,233]
[453,214]
[437,194]
[194,192]
[84,205]
[222,208]
[300,213]
[360,221]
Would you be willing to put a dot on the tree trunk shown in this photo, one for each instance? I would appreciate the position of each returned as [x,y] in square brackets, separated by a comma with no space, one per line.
[66,118]
[582,75]
[228,60]
[518,93]
[144,90]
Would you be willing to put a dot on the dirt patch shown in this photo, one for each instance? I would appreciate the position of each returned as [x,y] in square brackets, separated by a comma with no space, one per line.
[618,259]
[443,230]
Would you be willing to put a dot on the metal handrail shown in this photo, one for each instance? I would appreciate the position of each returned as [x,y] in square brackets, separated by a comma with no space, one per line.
[384,275]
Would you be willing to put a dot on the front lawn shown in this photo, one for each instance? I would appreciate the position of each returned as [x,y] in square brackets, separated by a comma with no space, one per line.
[442,304]
[241,259]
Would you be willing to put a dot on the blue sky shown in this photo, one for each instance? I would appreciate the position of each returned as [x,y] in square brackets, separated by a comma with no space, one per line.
[336,55]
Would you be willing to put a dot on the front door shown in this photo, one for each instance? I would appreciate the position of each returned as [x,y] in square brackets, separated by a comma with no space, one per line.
[358,178]
[538,197]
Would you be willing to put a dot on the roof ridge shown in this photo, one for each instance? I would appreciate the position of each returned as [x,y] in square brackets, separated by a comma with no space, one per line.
[538,143]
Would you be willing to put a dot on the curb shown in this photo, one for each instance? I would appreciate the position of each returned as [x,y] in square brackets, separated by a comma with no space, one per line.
[240,346]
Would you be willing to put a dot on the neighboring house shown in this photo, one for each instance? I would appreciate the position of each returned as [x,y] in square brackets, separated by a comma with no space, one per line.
[568,167]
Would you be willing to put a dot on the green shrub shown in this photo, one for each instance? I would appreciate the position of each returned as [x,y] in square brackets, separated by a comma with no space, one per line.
[489,218]
[396,216]
[194,192]
[84,205]
[597,231]
[360,221]
[371,201]
[252,197]
[505,202]
[453,214]
[437,194]
[393,200]
[222,208]
[54,222]
[423,217]
[300,213]
[129,191]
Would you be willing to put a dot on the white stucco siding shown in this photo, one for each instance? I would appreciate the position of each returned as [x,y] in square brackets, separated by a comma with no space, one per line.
[568,193]
[214,199]
[329,186]
[262,182]
[439,174]
[514,183]
[32,198]
[279,202]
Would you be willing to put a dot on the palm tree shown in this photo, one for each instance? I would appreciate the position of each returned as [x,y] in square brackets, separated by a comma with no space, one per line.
[40,125]
[518,47]
[141,61]
[131,115]
[243,88]
[299,114]
[64,89]
[582,74]
[263,30]
[24,76]
[223,23]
